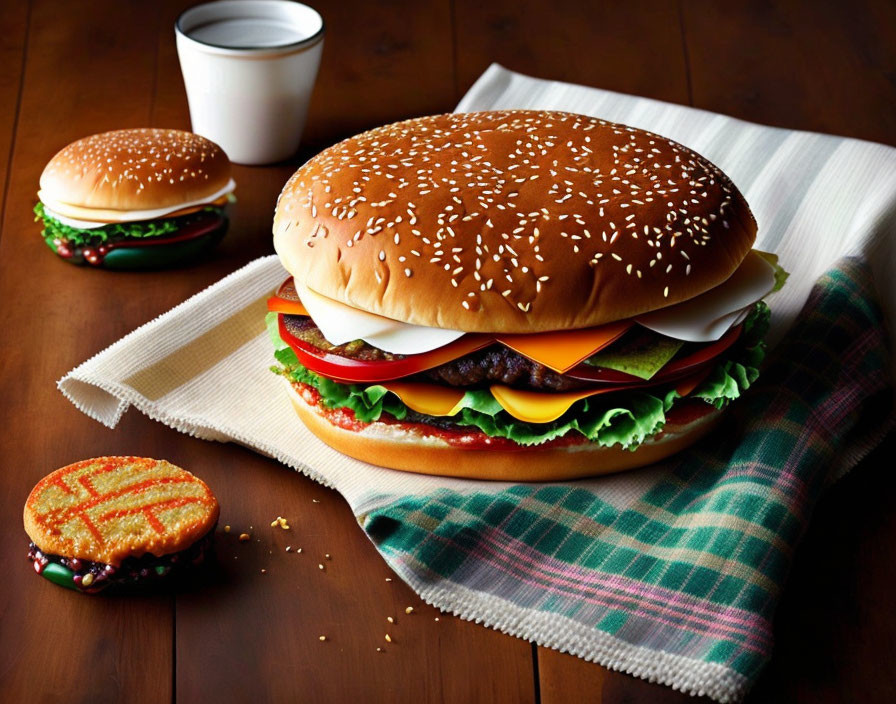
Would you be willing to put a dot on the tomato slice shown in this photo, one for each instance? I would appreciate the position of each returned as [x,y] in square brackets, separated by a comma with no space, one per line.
[676,369]
[356,370]
[286,301]
[284,305]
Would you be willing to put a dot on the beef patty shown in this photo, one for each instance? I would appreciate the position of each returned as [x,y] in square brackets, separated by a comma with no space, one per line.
[489,365]
[500,364]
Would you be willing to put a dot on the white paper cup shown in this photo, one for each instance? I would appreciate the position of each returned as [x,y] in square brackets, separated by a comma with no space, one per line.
[249,68]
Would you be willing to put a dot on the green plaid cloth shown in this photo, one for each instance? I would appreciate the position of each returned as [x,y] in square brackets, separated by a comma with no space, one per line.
[678,581]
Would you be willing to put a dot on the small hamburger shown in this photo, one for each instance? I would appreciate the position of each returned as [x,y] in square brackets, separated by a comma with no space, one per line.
[135,198]
[118,521]
[516,295]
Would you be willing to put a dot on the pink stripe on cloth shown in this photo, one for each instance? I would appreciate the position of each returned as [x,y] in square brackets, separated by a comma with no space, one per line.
[707,627]
[639,597]
[537,569]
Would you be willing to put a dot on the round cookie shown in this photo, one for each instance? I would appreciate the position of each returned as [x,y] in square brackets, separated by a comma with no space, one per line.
[118,520]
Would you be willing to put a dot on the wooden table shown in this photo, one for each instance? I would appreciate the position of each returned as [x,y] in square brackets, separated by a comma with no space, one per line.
[247,629]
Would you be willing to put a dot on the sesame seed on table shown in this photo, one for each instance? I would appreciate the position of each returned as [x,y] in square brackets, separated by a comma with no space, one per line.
[297,603]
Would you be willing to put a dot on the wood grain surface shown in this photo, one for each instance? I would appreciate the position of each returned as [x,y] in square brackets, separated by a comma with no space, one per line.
[248,626]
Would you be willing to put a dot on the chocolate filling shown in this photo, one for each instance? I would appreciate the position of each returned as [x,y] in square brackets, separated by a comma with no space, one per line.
[91,577]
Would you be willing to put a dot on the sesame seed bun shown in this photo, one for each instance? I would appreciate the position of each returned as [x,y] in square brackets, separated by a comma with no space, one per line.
[510,221]
[413,450]
[108,509]
[133,169]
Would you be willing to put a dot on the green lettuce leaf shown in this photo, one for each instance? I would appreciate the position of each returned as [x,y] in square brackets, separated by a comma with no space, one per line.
[733,375]
[625,419]
[55,230]
[780,274]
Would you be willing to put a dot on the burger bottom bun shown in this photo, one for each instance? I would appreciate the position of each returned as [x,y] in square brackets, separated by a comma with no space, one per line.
[408,450]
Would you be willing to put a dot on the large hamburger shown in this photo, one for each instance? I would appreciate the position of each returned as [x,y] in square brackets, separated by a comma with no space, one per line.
[135,198]
[516,295]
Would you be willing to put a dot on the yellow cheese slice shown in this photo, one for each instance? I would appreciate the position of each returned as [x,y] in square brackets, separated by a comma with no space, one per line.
[538,406]
[561,350]
[529,406]
[688,384]
[430,399]
[277,304]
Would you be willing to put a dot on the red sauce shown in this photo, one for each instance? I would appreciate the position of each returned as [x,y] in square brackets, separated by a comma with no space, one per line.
[683,413]
[686,411]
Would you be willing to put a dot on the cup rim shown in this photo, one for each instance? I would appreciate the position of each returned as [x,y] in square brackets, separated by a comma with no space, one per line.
[275,49]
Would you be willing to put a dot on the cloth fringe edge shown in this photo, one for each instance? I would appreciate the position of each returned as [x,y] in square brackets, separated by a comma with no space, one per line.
[556,632]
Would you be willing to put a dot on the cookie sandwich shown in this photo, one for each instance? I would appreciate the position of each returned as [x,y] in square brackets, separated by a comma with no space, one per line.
[118,521]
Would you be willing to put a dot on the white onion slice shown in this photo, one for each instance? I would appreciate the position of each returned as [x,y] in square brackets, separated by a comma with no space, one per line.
[340,323]
[708,316]
[72,222]
[702,319]
[127,215]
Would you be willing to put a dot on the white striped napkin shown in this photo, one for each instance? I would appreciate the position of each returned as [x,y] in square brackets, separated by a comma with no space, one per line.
[203,367]
[816,197]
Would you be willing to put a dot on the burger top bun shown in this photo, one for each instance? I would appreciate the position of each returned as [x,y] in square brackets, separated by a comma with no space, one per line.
[510,221]
[135,169]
